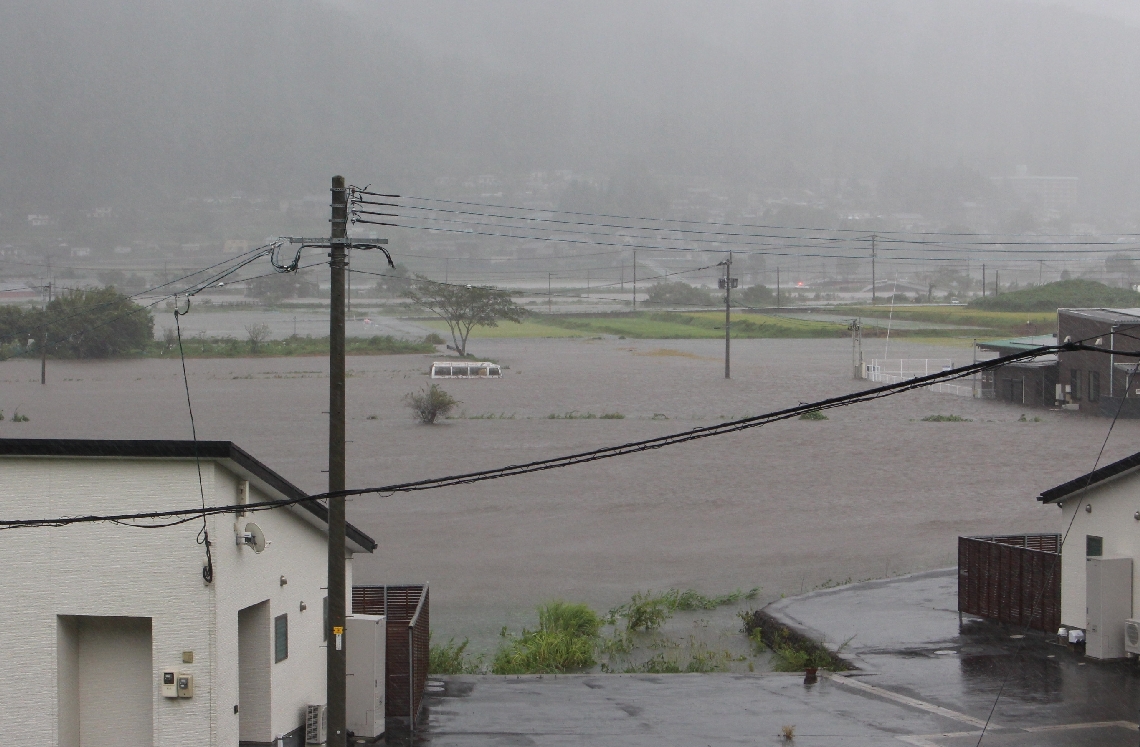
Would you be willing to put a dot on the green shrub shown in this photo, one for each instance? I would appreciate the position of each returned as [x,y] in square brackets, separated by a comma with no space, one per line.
[678,293]
[945,419]
[434,339]
[431,403]
[813,415]
[566,639]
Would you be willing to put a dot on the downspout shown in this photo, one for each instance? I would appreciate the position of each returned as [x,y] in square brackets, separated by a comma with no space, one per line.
[1111,363]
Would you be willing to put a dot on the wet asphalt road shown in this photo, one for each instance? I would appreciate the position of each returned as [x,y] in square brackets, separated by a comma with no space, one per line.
[922,680]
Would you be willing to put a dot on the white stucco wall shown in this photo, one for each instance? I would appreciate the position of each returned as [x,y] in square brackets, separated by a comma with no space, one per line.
[1114,505]
[111,570]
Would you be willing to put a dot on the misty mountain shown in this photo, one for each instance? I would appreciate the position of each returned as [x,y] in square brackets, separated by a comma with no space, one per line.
[110,102]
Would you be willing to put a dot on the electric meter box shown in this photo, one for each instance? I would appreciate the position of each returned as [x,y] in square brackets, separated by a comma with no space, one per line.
[169,686]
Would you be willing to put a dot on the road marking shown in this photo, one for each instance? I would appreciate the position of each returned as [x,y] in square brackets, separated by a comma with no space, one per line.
[1089,725]
[922,705]
[926,740]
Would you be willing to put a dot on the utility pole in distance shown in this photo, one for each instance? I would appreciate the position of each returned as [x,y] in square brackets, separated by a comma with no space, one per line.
[727,283]
[549,298]
[873,294]
[336,684]
[44,332]
[635,280]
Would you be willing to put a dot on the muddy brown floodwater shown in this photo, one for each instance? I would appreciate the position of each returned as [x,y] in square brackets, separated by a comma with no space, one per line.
[871,492]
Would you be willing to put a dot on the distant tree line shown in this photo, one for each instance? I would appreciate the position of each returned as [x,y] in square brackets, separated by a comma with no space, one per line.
[80,323]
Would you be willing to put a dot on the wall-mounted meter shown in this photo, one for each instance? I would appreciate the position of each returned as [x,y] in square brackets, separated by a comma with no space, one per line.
[169,686]
[185,685]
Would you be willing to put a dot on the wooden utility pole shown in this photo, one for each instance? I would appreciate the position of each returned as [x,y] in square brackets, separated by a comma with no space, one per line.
[983,280]
[777,288]
[873,290]
[727,315]
[336,662]
[635,280]
[44,331]
[549,298]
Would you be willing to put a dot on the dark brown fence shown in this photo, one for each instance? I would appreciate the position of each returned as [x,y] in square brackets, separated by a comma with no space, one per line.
[406,610]
[1014,579]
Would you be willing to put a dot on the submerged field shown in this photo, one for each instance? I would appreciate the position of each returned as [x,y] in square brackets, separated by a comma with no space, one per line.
[869,492]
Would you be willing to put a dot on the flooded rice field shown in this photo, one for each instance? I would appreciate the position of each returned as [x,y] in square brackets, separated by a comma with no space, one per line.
[872,491]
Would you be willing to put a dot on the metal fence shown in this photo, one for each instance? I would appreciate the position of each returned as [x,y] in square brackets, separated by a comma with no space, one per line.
[1014,579]
[406,610]
[894,370]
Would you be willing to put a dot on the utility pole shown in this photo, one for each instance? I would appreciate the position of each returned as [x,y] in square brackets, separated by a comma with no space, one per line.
[549,297]
[335,651]
[777,288]
[873,293]
[44,331]
[1040,270]
[856,328]
[983,280]
[635,280]
[348,281]
[727,285]
[997,282]
[623,277]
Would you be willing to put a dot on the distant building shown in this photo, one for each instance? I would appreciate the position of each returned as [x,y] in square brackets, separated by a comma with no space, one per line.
[1089,382]
[103,622]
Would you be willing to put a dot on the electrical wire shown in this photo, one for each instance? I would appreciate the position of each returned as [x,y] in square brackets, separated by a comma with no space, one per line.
[203,534]
[608,452]
[364,191]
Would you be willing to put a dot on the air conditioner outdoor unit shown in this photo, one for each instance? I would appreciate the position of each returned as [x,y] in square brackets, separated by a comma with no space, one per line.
[316,724]
[1132,636]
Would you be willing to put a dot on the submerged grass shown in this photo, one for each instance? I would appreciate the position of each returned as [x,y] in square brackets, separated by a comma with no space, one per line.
[649,611]
[229,347]
[668,325]
[452,658]
[946,419]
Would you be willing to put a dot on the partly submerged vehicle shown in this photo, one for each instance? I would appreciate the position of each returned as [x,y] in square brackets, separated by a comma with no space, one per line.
[450,370]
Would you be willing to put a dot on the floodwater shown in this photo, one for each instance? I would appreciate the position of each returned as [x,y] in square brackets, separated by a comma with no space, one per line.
[871,492]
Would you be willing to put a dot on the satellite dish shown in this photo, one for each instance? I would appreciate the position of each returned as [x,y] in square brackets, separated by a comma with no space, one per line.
[254,537]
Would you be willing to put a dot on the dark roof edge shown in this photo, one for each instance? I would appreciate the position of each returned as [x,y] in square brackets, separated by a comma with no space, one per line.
[160,449]
[1105,473]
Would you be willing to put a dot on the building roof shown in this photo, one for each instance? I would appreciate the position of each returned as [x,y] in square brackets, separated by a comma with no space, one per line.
[1019,344]
[235,458]
[1084,482]
[1112,316]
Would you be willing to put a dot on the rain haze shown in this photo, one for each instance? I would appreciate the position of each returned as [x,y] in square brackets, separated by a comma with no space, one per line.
[688,213]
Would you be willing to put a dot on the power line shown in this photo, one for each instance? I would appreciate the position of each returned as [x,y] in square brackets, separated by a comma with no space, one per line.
[609,452]
[705,223]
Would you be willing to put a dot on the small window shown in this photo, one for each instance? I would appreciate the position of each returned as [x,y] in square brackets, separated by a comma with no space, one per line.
[281,638]
[1094,546]
[441,371]
[1075,381]
[1094,386]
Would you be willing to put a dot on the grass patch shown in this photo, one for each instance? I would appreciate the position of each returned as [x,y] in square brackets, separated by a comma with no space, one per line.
[575,415]
[566,639]
[452,658]
[526,328]
[813,415]
[649,611]
[667,325]
[794,650]
[946,419]
[998,322]
[229,347]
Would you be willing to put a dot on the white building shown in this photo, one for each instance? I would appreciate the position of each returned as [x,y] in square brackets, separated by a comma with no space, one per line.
[1100,518]
[95,614]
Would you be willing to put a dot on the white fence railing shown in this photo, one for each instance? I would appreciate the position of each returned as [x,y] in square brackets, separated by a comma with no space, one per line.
[895,370]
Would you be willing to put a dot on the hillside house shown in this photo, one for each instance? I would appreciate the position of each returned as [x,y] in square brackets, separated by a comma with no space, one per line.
[111,634]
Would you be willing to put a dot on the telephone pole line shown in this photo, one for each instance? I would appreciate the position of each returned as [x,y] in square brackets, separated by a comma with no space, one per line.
[44,331]
[336,671]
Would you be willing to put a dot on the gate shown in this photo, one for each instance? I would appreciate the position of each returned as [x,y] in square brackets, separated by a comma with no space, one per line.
[1014,579]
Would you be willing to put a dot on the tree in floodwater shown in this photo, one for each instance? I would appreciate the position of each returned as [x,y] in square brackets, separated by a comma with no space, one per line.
[465,307]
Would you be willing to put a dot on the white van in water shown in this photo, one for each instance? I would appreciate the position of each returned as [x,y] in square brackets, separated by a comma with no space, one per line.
[449,370]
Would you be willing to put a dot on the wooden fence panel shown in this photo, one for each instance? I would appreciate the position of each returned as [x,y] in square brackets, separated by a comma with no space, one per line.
[1014,579]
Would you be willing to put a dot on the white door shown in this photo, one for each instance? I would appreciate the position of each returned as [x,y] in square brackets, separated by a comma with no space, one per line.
[115,692]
